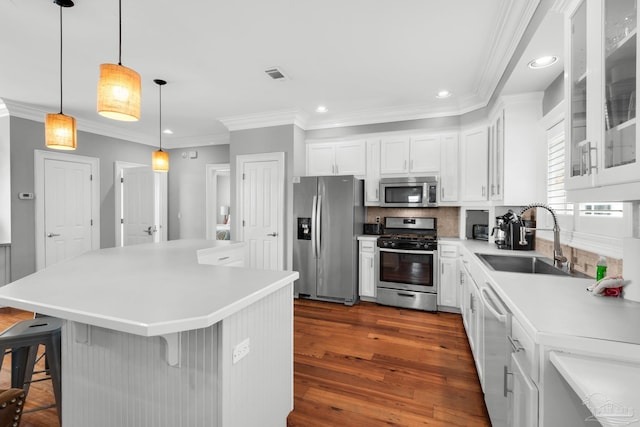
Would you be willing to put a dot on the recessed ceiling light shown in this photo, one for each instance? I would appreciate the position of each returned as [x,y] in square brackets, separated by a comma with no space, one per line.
[321,109]
[168,131]
[443,94]
[543,61]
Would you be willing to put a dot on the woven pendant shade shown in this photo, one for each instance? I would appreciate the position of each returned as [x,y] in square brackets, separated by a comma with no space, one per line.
[60,132]
[119,93]
[160,161]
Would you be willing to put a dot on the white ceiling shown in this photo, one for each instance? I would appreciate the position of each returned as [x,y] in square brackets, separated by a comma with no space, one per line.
[366,60]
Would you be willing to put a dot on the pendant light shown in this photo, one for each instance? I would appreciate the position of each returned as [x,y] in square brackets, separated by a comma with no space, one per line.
[159,158]
[59,129]
[119,87]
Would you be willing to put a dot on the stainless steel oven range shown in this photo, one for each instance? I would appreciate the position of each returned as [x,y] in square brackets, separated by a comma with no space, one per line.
[408,263]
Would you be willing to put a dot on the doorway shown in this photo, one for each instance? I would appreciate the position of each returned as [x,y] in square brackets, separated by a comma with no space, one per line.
[260,184]
[218,201]
[141,204]
[67,206]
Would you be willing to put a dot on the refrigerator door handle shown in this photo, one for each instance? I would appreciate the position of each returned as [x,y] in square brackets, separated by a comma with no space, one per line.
[318,226]
[314,223]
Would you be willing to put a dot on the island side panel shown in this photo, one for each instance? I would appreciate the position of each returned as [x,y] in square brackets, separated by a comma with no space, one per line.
[258,389]
[123,379]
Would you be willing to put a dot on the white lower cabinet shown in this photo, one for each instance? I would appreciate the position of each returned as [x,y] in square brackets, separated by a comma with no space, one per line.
[472,316]
[226,252]
[368,255]
[449,290]
[523,396]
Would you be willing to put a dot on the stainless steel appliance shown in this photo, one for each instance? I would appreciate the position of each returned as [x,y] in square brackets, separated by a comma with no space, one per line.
[499,233]
[328,213]
[375,229]
[408,263]
[497,352]
[412,192]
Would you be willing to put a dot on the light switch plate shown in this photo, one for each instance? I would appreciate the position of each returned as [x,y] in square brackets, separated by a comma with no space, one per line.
[240,351]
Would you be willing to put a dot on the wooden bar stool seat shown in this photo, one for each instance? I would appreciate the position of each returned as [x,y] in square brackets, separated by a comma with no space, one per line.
[23,339]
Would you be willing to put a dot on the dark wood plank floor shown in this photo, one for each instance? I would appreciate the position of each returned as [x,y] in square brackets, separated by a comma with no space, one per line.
[366,365]
[370,365]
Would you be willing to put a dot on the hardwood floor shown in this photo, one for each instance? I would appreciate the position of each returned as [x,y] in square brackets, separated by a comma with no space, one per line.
[366,365]
[370,365]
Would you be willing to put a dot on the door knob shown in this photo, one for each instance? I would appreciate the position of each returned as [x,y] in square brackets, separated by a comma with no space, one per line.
[52,235]
[274,234]
[149,230]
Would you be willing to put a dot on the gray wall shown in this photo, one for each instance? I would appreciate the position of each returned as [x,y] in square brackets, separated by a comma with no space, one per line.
[431,124]
[27,136]
[272,139]
[187,190]
[5,181]
[553,94]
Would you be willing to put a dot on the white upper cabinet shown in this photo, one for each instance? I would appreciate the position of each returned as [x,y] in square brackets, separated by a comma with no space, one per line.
[336,158]
[394,155]
[474,164]
[424,153]
[372,178]
[415,154]
[515,136]
[449,160]
[601,86]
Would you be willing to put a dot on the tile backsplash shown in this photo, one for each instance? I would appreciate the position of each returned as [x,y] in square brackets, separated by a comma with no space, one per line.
[581,260]
[447,218]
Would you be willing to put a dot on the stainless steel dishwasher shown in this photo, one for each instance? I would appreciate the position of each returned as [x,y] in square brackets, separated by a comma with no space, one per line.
[497,320]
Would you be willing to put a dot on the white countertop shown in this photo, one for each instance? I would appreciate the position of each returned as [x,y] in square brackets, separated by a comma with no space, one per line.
[559,306]
[149,289]
[600,384]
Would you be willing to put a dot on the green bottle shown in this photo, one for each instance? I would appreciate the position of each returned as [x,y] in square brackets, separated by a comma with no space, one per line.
[601,268]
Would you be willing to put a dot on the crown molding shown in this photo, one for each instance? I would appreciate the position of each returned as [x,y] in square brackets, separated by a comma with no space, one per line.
[261,120]
[4,111]
[511,25]
[197,141]
[30,112]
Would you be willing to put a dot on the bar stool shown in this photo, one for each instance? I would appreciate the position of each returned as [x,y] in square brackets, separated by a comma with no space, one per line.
[23,339]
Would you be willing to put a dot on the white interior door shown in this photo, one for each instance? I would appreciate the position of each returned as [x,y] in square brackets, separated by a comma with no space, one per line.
[262,213]
[67,209]
[139,214]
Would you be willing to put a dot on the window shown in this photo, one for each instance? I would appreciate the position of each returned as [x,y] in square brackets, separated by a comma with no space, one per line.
[601,209]
[556,195]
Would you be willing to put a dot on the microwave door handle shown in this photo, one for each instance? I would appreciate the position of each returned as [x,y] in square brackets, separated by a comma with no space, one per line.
[314,223]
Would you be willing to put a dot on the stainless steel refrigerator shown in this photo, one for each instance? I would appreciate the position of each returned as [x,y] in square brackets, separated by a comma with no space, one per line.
[328,214]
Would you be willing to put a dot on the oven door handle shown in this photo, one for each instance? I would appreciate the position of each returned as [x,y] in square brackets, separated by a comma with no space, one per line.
[407,251]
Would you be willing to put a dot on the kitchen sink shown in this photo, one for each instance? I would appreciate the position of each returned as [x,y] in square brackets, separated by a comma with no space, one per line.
[521,264]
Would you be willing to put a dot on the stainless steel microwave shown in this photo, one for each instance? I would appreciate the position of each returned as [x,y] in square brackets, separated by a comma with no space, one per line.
[412,192]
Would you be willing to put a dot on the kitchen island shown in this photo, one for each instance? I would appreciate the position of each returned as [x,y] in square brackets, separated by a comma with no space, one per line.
[152,338]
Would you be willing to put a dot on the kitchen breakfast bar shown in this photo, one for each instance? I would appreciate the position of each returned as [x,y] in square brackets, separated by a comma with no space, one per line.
[153,338]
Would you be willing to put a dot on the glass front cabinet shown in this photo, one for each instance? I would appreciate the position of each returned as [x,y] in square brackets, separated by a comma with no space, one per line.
[600,87]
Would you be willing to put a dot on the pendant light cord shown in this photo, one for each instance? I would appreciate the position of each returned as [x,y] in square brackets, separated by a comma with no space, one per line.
[160,115]
[60,59]
[119,32]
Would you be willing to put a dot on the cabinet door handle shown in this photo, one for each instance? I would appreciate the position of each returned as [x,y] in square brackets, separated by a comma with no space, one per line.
[377,196]
[52,235]
[223,258]
[404,165]
[589,150]
[337,170]
[505,381]
[515,344]
[493,189]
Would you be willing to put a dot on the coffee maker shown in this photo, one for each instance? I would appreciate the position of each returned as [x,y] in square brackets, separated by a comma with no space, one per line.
[499,232]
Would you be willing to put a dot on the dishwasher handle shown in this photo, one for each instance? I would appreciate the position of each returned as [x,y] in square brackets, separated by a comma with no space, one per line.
[491,304]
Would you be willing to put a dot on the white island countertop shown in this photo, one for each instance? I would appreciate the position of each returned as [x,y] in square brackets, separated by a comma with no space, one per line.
[148,290]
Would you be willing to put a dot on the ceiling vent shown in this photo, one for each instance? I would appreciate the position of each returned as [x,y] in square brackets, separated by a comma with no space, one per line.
[276,74]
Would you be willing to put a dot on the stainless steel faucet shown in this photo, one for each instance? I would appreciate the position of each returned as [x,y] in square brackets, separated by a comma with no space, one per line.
[558,258]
